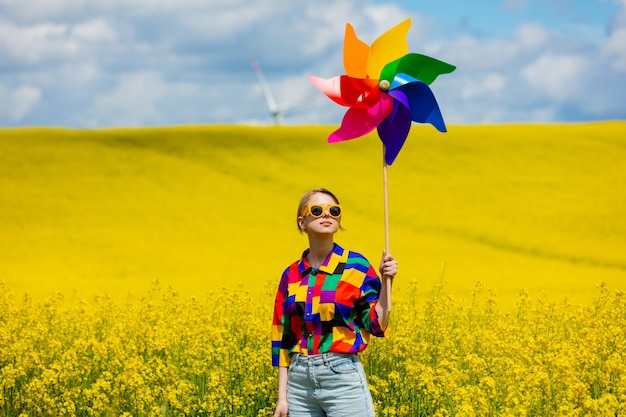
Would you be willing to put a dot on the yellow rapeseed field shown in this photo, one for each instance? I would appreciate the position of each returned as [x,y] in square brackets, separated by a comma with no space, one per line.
[165,355]
[138,267]
[534,207]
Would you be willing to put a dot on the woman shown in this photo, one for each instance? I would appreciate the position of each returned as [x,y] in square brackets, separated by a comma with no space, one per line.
[328,304]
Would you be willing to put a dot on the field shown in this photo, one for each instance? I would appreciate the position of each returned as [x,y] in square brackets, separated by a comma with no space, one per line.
[534,207]
[128,257]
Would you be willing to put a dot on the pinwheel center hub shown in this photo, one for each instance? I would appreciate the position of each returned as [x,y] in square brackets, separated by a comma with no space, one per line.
[384,85]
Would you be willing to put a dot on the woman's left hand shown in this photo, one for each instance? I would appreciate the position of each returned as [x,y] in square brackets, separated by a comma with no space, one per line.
[388,266]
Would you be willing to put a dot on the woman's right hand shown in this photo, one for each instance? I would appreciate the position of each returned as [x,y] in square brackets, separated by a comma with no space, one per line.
[281,409]
[281,404]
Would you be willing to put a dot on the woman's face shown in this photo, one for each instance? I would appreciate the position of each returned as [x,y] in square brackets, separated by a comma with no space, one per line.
[325,224]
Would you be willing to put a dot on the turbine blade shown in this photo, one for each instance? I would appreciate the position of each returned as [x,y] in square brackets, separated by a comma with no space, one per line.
[263,84]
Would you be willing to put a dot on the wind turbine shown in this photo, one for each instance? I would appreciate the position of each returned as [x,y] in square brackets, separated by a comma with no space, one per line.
[275,110]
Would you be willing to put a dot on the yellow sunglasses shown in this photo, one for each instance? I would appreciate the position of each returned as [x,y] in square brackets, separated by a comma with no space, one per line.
[317,210]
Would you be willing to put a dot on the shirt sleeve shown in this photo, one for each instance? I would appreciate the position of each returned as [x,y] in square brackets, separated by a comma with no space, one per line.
[366,304]
[280,325]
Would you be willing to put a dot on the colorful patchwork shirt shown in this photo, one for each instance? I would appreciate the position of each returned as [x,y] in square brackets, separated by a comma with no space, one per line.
[329,309]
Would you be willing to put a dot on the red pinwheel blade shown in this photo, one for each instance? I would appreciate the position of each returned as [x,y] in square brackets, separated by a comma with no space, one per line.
[348,91]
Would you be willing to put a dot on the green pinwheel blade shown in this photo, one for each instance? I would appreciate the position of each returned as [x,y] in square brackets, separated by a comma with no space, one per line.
[422,67]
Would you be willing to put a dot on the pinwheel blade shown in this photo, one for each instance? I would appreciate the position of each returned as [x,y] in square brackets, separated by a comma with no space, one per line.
[394,130]
[348,91]
[355,54]
[389,46]
[421,67]
[391,107]
[358,122]
[422,103]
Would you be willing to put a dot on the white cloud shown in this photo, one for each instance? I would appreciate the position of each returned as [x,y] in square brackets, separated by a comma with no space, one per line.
[615,49]
[533,36]
[18,102]
[492,84]
[136,97]
[34,43]
[94,30]
[44,42]
[558,76]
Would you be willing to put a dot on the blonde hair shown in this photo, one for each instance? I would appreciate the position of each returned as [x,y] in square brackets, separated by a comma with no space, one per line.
[305,200]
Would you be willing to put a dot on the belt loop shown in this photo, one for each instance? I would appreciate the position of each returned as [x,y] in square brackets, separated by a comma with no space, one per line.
[325,358]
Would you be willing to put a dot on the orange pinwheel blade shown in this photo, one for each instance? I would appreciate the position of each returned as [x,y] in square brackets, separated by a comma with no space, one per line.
[388,47]
[355,54]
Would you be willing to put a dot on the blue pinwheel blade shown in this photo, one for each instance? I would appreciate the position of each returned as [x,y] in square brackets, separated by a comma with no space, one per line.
[422,103]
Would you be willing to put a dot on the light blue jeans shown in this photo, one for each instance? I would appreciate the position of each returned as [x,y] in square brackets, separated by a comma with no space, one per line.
[330,385]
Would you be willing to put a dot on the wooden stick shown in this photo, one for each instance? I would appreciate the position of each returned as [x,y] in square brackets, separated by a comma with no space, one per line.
[386,214]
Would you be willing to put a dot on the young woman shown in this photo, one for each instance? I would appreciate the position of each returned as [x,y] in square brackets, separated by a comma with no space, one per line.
[328,304]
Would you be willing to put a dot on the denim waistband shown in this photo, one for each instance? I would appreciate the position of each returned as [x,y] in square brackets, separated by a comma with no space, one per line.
[322,358]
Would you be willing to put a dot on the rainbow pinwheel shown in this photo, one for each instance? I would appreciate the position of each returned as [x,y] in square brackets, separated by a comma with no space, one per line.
[385,87]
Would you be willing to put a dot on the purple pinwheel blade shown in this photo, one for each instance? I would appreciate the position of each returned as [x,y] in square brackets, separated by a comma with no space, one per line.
[394,129]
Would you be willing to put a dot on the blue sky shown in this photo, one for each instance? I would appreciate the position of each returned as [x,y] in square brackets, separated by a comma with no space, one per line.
[89,64]
[579,18]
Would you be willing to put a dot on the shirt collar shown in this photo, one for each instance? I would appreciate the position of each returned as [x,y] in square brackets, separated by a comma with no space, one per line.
[330,264]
